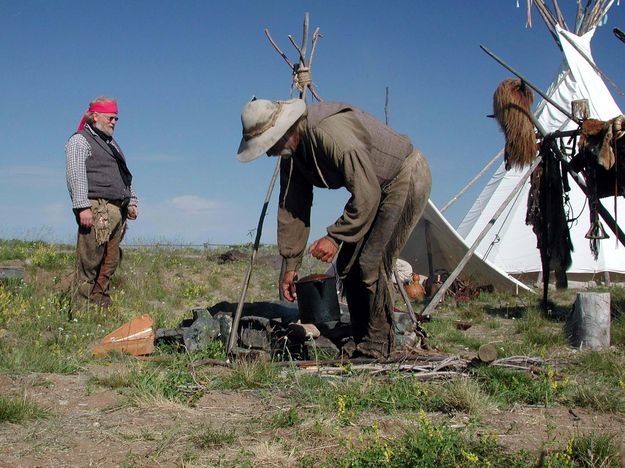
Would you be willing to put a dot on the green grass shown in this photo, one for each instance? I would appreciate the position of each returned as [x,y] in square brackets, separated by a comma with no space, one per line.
[445,336]
[397,394]
[610,364]
[249,375]
[618,331]
[206,437]
[285,418]
[590,450]
[426,444]
[511,386]
[600,380]
[540,332]
[598,395]
[38,334]
[465,395]
[17,410]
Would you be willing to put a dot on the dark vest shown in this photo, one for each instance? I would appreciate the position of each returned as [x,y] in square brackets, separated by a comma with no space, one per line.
[103,173]
[387,148]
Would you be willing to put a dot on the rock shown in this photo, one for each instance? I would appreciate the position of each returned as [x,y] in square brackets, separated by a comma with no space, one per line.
[303,331]
[255,333]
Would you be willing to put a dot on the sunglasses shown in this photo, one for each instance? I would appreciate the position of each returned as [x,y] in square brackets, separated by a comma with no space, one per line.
[111,118]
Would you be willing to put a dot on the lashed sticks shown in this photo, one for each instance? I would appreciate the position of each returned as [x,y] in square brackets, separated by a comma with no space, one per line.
[302,78]
[233,338]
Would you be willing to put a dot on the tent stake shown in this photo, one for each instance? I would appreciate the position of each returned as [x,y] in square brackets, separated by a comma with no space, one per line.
[406,299]
[452,277]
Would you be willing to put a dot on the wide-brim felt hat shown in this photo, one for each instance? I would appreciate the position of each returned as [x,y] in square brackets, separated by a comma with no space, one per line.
[264,123]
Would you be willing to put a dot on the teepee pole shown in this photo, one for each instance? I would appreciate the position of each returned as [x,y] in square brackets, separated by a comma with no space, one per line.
[454,274]
[603,212]
[530,84]
[233,338]
[472,181]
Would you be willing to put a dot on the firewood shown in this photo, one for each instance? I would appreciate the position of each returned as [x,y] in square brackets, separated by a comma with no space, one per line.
[487,353]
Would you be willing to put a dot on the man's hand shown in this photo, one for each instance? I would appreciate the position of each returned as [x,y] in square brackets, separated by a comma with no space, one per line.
[287,286]
[85,217]
[323,249]
[132,212]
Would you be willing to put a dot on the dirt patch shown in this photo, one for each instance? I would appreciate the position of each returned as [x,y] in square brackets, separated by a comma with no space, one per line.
[535,428]
[94,426]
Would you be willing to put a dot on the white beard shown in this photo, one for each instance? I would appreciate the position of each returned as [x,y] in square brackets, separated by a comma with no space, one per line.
[104,129]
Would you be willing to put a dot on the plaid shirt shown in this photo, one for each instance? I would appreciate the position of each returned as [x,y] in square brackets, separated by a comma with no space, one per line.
[77,150]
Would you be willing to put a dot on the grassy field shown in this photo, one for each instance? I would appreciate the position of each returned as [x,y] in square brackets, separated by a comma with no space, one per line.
[60,406]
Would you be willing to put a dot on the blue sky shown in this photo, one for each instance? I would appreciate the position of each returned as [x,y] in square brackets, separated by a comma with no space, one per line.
[182,71]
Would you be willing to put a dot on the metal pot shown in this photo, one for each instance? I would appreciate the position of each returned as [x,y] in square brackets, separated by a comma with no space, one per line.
[317,300]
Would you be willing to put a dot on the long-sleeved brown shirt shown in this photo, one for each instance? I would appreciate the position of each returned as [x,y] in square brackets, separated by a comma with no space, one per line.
[340,146]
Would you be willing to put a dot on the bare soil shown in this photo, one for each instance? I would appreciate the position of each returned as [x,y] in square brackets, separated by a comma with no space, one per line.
[93,426]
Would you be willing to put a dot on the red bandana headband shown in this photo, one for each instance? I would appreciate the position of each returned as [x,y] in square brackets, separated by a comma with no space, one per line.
[108,107]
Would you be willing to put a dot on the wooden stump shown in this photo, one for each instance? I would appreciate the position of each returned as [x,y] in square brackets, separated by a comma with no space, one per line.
[588,326]
[487,353]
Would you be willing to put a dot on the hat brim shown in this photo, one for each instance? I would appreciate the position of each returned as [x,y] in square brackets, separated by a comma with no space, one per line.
[257,146]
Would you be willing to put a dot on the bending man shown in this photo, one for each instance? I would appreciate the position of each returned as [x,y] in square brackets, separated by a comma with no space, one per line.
[335,145]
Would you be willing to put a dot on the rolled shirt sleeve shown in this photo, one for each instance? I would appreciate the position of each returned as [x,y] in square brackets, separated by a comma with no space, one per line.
[134,200]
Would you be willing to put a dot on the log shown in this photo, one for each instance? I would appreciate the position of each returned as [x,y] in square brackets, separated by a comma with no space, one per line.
[487,353]
[588,325]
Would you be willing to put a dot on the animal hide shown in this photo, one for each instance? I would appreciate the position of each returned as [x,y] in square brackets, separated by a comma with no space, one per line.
[545,213]
[601,156]
[512,106]
[596,136]
[600,137]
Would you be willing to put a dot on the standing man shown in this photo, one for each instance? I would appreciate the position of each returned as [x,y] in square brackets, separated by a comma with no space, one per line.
[336,145]
[100,186]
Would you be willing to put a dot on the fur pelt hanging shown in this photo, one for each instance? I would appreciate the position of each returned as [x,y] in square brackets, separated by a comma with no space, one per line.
[546,215]
[601,159]
[601,156]
[512,106]
[599,138]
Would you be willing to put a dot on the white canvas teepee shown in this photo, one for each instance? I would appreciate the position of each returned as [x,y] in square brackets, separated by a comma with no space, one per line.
[511,244]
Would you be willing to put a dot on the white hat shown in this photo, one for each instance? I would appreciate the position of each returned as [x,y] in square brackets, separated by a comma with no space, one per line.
[264,123]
